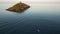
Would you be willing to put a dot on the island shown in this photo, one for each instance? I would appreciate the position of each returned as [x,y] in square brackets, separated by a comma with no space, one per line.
[19,7]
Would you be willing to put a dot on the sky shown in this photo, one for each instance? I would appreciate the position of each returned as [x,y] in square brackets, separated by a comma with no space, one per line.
[33,0]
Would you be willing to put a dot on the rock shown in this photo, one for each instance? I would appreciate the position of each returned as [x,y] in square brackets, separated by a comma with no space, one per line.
[19,7]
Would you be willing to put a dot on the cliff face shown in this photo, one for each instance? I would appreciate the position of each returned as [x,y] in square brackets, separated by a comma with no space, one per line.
[19,7]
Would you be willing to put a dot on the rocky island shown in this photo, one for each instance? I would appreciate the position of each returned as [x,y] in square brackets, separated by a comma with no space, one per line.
[19,7]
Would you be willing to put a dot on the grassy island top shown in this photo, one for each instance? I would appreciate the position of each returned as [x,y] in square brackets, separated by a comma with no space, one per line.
[19,7]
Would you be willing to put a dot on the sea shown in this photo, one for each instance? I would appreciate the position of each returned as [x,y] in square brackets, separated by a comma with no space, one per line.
[40,18]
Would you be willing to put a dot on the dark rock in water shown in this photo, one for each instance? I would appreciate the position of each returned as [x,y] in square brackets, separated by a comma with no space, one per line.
[19,7]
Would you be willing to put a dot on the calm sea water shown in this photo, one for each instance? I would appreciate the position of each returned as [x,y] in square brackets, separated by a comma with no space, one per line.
[38,19]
